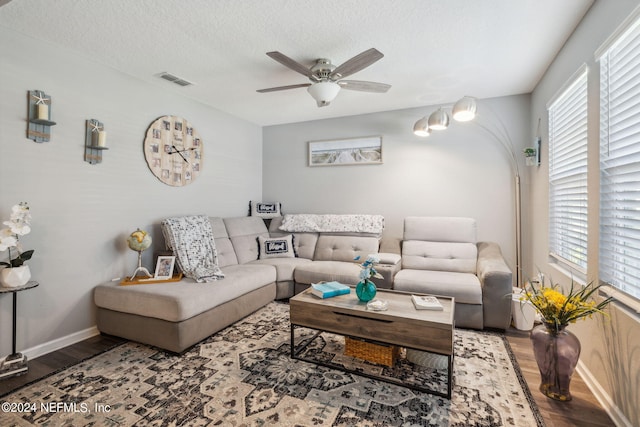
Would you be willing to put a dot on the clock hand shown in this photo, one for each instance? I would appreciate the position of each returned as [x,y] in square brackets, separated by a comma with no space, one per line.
[179,152]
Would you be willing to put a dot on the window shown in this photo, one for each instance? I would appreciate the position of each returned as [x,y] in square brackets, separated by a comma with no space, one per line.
[568,174]
[620,159]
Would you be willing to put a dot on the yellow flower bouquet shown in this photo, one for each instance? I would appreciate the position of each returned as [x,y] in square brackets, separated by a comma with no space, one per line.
[558,309]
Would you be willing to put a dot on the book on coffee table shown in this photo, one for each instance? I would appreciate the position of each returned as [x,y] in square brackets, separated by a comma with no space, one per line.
[424,302]
[329,289]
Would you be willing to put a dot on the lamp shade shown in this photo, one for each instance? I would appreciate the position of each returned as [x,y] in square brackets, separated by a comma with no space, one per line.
[439,120]
[421,128]
[324,92]
[465,109]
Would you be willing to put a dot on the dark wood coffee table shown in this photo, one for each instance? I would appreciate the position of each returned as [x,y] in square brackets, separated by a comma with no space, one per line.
[401,325]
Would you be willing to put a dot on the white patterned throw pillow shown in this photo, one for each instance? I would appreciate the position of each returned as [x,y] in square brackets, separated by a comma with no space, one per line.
[265,209]
[276,247]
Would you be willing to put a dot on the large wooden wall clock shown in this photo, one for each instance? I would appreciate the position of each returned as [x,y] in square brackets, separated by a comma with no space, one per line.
[173,150]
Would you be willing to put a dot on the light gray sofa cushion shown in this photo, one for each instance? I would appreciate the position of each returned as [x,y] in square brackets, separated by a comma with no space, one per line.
[284,266]
[318,271]
[464,287]
[441,256]
[226,254]
[178,301]
[303,243]
[243,232]
[440,229]
[344,248]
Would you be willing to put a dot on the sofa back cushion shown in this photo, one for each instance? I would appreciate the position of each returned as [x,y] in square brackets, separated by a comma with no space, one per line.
[226,253]
[244,232]
[304,243]
[344,248]
[439,256]
[440,229]
[440,243]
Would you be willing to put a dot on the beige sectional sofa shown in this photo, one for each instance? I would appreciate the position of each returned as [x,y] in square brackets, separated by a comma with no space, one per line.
[177,315]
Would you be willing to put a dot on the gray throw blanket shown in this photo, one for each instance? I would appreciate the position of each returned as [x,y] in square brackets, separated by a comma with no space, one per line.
[191,240]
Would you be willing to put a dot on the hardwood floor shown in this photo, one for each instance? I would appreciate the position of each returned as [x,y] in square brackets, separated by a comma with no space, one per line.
[584,410]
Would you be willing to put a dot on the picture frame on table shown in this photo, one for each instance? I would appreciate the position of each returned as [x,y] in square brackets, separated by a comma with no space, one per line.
[164,267]
[365,150]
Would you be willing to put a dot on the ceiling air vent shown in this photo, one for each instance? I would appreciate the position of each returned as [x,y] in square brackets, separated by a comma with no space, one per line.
[174,79]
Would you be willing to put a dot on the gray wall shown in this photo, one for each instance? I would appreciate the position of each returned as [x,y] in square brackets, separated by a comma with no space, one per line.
[608,344]
[461,171]
[81,212]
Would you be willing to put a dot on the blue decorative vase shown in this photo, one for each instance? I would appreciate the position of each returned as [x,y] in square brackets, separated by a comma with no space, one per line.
[366,290]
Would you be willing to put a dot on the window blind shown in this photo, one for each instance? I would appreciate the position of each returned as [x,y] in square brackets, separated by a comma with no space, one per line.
[568,174]
[620,162]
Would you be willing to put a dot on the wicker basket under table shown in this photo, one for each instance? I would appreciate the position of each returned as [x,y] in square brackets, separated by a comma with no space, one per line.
[382,354]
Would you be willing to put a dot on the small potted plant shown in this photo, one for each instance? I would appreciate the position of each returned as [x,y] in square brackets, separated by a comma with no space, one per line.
[530,156]
[15,273]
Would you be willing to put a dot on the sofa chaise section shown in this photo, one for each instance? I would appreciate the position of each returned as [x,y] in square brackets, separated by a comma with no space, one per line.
[177,315]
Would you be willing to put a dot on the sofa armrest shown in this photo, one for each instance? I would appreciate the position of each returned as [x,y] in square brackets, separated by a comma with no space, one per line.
[496,280]
[389,259]
[388,266]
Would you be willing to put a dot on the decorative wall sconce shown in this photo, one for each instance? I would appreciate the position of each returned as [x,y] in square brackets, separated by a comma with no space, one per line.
[95,141]
[39,116]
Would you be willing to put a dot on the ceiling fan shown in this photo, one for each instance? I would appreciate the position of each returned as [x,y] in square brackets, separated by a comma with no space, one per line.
[326,77]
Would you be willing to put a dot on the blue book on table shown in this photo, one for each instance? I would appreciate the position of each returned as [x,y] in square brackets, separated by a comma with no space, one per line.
[329,289]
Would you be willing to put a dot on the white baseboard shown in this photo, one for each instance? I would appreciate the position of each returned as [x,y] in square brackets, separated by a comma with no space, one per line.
[603,397]
[57,344]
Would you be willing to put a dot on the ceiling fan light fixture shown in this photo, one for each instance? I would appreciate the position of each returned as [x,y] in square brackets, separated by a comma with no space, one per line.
[465,109]
[421,128]
[439,120]
[324,92]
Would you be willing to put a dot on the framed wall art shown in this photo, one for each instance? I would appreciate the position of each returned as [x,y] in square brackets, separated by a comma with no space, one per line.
[349,151]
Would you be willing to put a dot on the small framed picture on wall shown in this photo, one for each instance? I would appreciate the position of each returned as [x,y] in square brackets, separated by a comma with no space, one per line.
[164,267]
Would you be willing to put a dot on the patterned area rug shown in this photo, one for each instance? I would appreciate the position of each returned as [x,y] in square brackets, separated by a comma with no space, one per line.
[243,376]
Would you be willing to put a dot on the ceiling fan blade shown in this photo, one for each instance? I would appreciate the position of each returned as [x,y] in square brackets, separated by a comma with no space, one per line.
[357,63]
[289,63]
[274,89]
[364,86]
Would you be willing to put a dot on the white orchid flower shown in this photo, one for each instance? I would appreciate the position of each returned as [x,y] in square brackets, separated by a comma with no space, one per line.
[7,240]
[18,228]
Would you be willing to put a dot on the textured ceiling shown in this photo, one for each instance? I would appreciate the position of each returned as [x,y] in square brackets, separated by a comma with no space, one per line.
[435,51]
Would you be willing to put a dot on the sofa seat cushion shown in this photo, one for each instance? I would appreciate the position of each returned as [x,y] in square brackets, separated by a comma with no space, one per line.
[464,287]
[327,271]
[284,266]
[178,301]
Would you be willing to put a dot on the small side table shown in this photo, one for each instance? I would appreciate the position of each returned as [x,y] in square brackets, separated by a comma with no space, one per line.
[15,363]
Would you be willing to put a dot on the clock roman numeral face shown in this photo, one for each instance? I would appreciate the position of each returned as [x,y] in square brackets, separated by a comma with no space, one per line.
[173,150]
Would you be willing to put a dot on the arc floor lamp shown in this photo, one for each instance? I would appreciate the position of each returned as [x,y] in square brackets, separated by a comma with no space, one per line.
[465,110]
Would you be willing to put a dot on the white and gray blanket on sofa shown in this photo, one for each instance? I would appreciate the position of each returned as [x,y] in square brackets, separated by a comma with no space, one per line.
[191,240]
